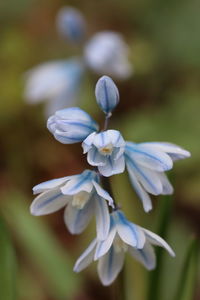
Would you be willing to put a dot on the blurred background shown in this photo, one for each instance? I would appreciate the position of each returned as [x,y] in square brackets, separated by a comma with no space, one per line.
[159,102]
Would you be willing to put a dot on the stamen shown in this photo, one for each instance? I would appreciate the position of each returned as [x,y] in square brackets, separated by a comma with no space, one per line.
[80,199]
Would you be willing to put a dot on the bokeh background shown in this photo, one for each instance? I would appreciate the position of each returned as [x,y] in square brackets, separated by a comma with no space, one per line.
[160,102]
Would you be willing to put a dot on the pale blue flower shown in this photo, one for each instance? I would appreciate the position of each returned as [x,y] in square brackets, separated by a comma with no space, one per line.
[105,150]
[107,53]
[82,196]
[107,94]
[71,125]
[123,236]
[71,24]
[146,164]
[56,82]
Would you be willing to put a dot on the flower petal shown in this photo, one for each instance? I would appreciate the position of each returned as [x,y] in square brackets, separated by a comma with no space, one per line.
[110,265]
[166,185]
[86,258]
[112,166]
[176,152]
[116,138]
[102,218]
[157,240]
[94,158]
[76,219]
[146,255]
[103,193]
[142,194]
[48,202]
[149,158]
[130,233]
[87,143]
[50,184]
[103,246]
[81,182]
[102,139]
[148,178]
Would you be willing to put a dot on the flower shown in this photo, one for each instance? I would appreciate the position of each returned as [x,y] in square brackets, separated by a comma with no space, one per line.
[123,236]
[83,197]
[146,164]
[56,81]
[107,53]
[107,94]
[71,24]
[105,150]
[71,125]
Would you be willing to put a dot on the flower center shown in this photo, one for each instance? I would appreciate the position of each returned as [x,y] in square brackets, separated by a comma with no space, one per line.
[80,199]
[119,245]
[107,150]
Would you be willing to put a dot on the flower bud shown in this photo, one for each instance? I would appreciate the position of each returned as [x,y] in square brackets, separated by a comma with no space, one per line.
[107,94]
[71,125]
[71,24]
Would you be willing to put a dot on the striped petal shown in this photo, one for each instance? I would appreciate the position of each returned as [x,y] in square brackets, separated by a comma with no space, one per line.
[94,158]
[76,219]
[103,193]
[103,246]
[110,265]
[148,157]
[50,184]
[173,150]
[130,233]
[79,183]
[49,202]
[149,179]
[87,143]
[140,191]
[145,255]
[112,166]
[102,218]
[86,258]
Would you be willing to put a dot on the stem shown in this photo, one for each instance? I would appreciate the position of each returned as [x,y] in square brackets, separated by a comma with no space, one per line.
[106,122]
[107,186]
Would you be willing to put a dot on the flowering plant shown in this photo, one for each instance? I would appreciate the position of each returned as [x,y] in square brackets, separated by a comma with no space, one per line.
[89,193]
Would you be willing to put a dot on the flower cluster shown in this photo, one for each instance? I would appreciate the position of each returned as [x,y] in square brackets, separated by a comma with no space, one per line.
[85,195]
[58,81]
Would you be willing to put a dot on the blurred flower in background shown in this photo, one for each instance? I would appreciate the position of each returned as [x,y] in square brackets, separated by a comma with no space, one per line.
[58,82]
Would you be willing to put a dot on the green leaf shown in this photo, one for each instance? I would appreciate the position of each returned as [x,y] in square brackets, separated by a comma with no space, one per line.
[188,277]
[155,277]
[41,247]
[7,265]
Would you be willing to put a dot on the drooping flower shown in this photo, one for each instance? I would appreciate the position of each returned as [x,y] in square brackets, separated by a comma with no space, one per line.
[105,150]
[71,24]
[146,164]
[71,125]
[107,53]
[56,82]
[123,236]
[82,196]
[107,94]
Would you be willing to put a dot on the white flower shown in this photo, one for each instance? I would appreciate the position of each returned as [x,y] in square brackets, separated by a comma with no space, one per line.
[71,24]
[83,197]
[123,236]
[107,53]
[107,94]
[71,125]
[56,81]
[105,150]
[146,164]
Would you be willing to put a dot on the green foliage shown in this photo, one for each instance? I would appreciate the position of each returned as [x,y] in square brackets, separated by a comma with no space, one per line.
[188,276]
[7,265]
[41,247]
